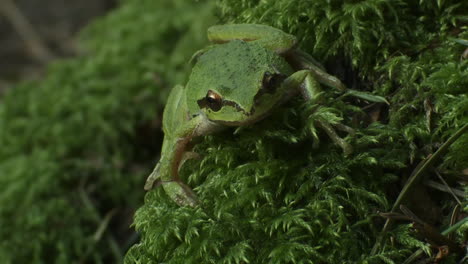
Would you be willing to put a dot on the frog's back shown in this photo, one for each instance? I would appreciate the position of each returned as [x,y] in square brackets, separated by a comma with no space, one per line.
[235,70]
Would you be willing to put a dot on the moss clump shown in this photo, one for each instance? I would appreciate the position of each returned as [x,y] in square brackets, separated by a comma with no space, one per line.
[269,196]
[77,146]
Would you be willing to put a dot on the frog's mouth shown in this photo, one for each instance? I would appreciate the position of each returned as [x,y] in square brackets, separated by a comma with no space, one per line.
[238,107]
[248,117]
[204,103]
[247,121]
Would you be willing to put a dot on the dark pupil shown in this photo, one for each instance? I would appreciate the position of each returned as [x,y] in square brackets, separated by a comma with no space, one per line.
[210,99]
[213,102]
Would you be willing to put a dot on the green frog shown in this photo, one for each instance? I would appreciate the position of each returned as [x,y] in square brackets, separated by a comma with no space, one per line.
[248,71]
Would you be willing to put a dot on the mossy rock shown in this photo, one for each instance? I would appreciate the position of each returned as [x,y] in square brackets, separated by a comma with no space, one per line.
[279,191]
[77,146]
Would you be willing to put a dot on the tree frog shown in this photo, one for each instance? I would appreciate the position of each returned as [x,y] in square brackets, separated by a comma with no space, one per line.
[248,71]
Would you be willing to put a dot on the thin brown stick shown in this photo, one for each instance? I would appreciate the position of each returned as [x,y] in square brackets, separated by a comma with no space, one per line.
[448,187]
[415,179]
[443,188]
[23,27]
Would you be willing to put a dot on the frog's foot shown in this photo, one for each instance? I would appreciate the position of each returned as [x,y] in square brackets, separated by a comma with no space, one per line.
[152,180]
[177,191]
[180,193]
[345,128]
[345,146]
[311,91]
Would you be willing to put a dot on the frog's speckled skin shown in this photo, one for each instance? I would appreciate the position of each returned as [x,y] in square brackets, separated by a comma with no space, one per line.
[234,82]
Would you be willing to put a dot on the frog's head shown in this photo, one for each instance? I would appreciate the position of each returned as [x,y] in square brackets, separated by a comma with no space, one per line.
[237,82]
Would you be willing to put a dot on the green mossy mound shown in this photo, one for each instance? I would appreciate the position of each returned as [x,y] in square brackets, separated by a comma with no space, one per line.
[279,191]
[77,146]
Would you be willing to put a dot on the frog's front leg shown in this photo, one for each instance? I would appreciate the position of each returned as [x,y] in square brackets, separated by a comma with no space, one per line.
[301,60]
[307,83]
[174,147]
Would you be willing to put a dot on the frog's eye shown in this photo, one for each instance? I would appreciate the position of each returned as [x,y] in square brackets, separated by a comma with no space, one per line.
[212,100]
[271,81]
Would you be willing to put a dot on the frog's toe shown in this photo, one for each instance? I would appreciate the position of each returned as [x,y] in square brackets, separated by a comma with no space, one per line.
[153,180]
[345,146]
[180,193]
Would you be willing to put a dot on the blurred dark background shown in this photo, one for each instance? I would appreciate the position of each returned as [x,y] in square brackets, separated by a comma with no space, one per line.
[34,33]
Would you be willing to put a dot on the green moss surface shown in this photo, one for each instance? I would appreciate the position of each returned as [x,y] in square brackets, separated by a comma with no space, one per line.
[279,191]
[77,146]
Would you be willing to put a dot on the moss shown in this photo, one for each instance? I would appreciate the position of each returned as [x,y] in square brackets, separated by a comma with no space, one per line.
[279,191]
[76,146]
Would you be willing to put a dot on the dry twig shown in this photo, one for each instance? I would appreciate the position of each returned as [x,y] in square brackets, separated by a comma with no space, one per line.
[23,27]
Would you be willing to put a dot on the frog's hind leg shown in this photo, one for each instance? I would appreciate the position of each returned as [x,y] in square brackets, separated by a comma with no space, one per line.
[303,61]
[180,193]
[166,173]
[173,149]
[188,156]
[266,36]
[176,189]
[178,131]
